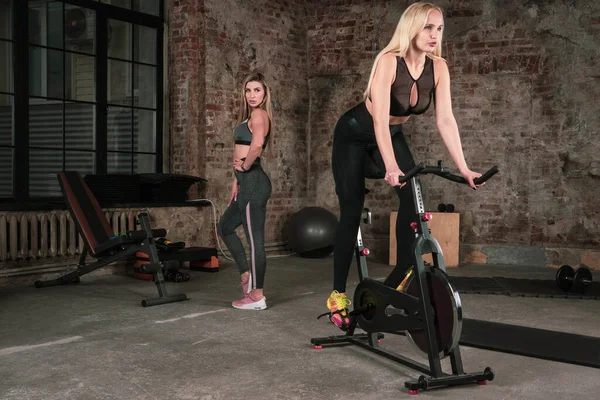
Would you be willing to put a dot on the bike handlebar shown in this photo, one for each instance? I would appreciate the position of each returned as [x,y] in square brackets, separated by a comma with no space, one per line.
[440,170]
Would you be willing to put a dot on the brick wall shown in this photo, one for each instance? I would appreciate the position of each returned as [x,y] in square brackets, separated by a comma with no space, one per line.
[186,70]
[231,39]
[524,84]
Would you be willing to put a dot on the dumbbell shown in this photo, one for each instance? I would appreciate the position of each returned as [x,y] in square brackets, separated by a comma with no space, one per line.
[445,207]
[181,277]
[569,280]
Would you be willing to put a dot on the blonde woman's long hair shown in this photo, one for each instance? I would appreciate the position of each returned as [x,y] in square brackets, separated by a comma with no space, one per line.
[411,22]
[265,105]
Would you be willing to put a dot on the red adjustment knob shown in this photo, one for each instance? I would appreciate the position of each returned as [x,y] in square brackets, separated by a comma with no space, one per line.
[365,252]
[414,225]
[427,217]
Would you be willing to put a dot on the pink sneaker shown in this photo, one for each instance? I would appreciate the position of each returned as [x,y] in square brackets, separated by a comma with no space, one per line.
[249,303]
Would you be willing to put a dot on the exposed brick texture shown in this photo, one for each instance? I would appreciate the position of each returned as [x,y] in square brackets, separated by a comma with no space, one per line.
[186,49]
[524,85]
[236,38]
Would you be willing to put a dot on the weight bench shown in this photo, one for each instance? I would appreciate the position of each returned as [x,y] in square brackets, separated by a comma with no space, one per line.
[100,242]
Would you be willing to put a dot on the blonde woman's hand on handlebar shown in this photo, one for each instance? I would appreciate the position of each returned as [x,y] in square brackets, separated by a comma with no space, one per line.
[392,176]
[469,176]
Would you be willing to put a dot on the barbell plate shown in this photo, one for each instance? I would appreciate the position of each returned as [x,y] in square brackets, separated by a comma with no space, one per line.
[582,280]
[564,277]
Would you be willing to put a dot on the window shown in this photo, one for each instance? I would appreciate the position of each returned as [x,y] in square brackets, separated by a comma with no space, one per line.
[7,96]
[131,88]
[62,98]
[87,95]
[145,6]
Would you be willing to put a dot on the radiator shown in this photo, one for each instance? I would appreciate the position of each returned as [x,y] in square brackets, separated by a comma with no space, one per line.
[50,235]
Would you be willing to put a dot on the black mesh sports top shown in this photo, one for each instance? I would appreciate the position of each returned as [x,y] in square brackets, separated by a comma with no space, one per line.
[242,135]
[402,86]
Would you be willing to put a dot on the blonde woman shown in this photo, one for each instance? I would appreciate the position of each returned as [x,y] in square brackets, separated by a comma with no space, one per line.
[250,191]
[408,75]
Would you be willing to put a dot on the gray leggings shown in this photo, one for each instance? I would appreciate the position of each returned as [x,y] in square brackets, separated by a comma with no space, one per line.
[249,210]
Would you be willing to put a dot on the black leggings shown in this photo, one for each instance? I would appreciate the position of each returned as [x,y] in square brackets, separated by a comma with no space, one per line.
[248,209]
[356,157]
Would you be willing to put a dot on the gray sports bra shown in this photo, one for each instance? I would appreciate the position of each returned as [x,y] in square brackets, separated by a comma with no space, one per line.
[242,134]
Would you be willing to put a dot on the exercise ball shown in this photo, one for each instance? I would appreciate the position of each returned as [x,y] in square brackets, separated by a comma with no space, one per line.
[311,232]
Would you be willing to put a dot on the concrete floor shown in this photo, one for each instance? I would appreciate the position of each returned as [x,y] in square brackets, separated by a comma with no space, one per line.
[95,341]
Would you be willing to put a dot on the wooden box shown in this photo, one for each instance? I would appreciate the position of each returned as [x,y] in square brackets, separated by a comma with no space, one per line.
[445,228]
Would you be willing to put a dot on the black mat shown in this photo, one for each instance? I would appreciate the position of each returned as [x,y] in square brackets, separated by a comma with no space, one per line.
[476,285]
[519,287]
[539,343]
[544,288]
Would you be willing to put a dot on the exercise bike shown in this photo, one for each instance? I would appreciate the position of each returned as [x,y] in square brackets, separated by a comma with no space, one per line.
[427,309]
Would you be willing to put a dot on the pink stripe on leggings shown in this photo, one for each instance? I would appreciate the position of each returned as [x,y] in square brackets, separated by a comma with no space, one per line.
[251,245]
